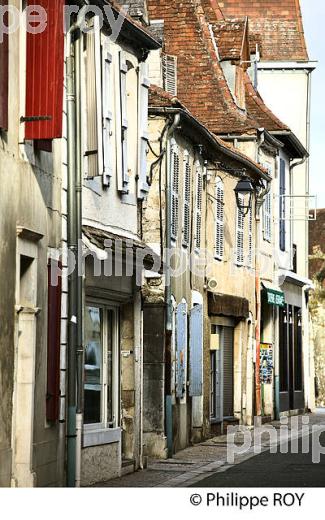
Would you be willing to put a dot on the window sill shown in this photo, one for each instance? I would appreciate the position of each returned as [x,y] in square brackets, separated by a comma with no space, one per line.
[101,436]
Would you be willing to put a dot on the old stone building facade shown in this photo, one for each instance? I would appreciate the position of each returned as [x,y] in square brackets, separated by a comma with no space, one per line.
[154,276]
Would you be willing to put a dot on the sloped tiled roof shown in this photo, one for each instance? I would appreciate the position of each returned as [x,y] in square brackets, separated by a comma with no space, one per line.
[229,36]
[257,108]
[201,84]
[276,25]
[159,98]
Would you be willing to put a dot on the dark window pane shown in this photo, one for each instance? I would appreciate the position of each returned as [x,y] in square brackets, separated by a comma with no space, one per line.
[93,365]
[283,345]
[298,349]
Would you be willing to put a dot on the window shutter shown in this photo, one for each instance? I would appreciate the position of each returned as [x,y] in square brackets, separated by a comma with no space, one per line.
[107,95]
[144,84]
[187,200]
[93,152]
[174,190]
[44,75]
[198,207]
[4,53]
[267,217]
[181,348]
[170,74]
[53,345]
[196,351]
[219,217]
[240,233]
[282,206]
[250,238]
[123,176]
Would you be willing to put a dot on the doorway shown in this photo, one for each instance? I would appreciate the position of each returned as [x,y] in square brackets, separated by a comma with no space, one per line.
[221,373]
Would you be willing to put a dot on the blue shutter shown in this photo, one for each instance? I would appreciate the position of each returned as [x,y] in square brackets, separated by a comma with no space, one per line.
[181,347]
[282,205]
[196,351]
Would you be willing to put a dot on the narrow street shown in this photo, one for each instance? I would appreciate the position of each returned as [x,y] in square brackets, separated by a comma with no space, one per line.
[205,465]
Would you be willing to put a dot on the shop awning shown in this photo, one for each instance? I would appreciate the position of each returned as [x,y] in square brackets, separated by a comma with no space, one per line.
[273,294]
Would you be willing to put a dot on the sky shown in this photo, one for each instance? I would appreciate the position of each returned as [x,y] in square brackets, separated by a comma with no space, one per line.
[313,12]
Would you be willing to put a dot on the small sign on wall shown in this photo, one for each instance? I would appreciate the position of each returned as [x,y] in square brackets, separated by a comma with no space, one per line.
[215,342]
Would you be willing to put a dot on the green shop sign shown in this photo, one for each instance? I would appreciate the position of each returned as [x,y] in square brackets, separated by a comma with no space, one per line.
[275,297]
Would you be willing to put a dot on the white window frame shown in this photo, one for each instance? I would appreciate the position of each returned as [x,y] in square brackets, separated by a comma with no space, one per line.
[219,219]
[198,206]
[240,229]
[104,432]
[143,107]
[186,231]
[174,189]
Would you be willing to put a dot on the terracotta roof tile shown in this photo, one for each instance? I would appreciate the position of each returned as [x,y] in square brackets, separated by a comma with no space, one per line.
[201,82]
[229,35]
[159,98]
[276,24]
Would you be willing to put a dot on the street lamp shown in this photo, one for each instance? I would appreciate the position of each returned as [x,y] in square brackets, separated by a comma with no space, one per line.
[244,187]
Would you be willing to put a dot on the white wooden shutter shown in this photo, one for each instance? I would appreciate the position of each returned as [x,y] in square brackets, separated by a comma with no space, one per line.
[170,74]
[107,96]
[219,220]
[240,233]
[144,84]
[198,206]
[94,148]
[174,164]
[186,200]
[122,168]
[267,217]
[250,238]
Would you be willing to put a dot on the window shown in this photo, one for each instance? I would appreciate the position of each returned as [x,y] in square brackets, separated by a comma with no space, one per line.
[44,91]
[144,84]
[282,209]
[219,219]
[174,190]
[186,200]
[170,74]
[107,94]
[4,54]
[93,128]
[198,206]
[240,232]
[101,362]
[250,238]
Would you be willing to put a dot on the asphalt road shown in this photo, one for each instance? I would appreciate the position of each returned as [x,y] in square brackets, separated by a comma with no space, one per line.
[273,470]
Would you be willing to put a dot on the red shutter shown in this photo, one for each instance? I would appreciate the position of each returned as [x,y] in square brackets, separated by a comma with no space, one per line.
[44,76]
[53,346]
[4,75]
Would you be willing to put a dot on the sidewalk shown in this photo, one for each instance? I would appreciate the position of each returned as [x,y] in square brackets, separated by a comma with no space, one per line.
[198,462]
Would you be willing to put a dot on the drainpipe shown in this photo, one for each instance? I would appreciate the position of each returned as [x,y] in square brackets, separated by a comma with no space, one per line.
[75,350]
[168,293]
[259,203]
[292,166]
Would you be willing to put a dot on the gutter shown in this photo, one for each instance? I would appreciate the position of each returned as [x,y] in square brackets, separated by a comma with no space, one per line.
[293,141]
[211,141]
